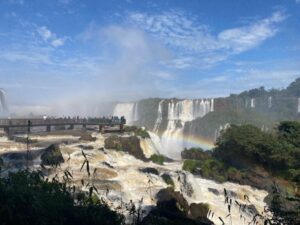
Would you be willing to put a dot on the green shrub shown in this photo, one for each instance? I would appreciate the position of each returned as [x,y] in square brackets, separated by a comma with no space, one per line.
[28,199]
[168,179]
[158,159]
[191,165]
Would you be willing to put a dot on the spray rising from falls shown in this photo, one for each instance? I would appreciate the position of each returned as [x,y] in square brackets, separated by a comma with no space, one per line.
[172,140]
[129,110]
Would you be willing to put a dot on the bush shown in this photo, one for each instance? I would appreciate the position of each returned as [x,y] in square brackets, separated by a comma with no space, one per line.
[158,159]
[28,199]
[191,165]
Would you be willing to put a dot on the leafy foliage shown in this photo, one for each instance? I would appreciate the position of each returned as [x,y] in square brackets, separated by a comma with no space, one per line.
[158,159]
[28,198]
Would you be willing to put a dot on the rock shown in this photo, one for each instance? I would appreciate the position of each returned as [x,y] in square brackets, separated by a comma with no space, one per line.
[174,200]
[126,144]
[168,179]
[1,162]
[198,210]
[101,149]
[172,209]
[52,155]
[87,137]
[86,147]
[214,191]
[108,165]
[149,170]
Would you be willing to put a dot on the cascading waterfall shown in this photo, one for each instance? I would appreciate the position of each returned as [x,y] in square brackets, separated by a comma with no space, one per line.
[220,129]
[128,110]
[270,102]
[159,117]
[172,140]
[252,103]
[3,106]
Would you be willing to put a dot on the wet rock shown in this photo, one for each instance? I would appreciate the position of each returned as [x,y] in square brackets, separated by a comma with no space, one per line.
[168,179]
[214,191]
[126,144]
[168,198]
[1,162]
[198,210]
[172,209]
[52,155]
[108,165]
[86,147]
[87,137]
[24,140]
[101,149]
[149,170]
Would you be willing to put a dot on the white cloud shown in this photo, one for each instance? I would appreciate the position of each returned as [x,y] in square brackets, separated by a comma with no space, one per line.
[45,33]
[50,37]
[183,32]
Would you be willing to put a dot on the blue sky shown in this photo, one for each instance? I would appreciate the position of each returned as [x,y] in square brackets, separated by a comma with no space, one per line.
[71,50]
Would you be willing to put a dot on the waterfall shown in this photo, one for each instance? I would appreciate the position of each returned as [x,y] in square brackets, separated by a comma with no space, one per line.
[128,110]
[220,129]
[298,110]
[270,102]
[3,106]
[172,140]
[159,117]
[252,103]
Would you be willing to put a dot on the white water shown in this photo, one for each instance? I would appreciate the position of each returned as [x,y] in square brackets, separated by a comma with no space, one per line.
[159,116]
[179,112]
[270,102]
[220,129]
[128,110]
[126,182]
[252,103]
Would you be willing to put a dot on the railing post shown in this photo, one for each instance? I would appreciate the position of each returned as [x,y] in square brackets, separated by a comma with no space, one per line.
[48,128]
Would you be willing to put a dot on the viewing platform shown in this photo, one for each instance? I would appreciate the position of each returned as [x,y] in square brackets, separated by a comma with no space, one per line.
[8,124]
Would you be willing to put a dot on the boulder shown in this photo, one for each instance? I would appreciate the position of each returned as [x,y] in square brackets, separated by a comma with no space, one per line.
[149,170]
[198,210]
[127,144]
[52,155]
[172,209]
[87,137]
[86,147]
[214,191]
[168,179]
[173,200]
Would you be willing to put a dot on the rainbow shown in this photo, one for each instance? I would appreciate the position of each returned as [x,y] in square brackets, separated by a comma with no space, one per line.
[192,141]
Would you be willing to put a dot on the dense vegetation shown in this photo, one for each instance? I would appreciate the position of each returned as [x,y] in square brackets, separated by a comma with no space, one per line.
[247,155]
[28,198]
[158,159]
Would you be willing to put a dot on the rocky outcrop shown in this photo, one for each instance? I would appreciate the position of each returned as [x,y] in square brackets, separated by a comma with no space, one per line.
[86,147]
[172,208]
[150,170]
[87,137]
[52,155]
[126,144]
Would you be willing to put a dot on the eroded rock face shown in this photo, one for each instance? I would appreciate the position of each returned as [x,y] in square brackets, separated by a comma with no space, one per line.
[168,198]
[173,209]
[198,210]
[52,155]
[149,170]
[126,144]
[87,137]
